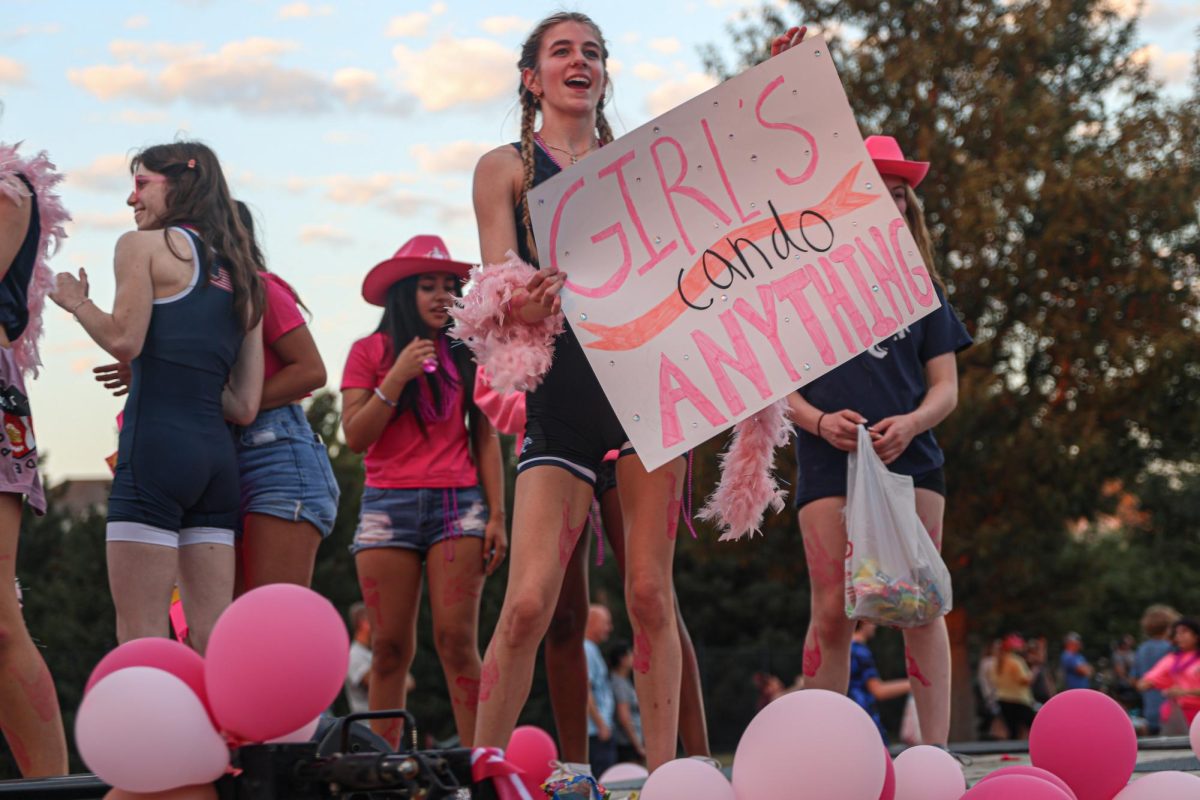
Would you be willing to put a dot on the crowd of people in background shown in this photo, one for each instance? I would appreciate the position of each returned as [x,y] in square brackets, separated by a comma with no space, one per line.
[1157,680]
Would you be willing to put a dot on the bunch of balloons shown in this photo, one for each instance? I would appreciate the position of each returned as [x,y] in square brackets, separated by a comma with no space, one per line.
[156,717]
[820,745]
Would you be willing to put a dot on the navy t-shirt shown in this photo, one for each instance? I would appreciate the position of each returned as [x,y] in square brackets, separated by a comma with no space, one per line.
[885,381]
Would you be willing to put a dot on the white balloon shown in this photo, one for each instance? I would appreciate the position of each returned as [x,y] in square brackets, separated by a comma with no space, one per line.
[812,743]
[301,734]
[625,771]
[687,778]
[1163,786]
[142,729]
[928,773]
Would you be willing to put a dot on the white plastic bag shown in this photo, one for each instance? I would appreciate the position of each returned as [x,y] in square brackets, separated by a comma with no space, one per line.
[894,573]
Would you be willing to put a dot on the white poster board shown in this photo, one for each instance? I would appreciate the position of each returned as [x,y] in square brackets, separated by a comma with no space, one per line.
[729,252]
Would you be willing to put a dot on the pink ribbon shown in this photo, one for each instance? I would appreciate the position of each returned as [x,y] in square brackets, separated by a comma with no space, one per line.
[488,763]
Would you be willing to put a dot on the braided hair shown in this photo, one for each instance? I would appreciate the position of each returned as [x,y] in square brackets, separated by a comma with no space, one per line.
[530,103]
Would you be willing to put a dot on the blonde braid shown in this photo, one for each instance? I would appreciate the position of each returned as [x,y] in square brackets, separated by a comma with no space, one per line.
[528,115]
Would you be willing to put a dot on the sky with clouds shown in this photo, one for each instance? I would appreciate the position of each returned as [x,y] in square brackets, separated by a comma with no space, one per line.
[347,126]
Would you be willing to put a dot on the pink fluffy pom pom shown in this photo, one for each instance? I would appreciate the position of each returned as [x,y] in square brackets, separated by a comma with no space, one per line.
[516,355]
[747,486]
[42,174]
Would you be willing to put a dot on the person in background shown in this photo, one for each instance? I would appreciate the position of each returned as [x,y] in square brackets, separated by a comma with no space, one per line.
[358,676]
[1177,676]
[1043,686]
[627,717]
[866,687]
[1013,681]
[1156,625]
[1122,668]
[985,681]
[1077,672]
[602,747]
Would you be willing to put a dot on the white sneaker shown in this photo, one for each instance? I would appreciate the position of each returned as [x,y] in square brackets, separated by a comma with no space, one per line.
[712,762]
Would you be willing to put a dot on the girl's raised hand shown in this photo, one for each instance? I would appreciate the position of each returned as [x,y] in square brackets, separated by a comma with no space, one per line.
[791,38]
[541,295]
[411,361]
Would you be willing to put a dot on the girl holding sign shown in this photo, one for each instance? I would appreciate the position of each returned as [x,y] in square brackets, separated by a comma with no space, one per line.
[901,389]
[571,425]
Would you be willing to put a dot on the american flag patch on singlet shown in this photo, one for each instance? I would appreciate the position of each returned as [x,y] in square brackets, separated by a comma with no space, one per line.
[221,279]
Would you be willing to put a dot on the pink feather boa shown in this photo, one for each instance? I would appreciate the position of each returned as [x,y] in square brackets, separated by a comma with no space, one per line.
[516,355]
[747,486]
[40,172]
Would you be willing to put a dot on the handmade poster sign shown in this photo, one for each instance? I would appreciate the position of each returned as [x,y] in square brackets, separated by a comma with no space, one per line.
[728,252]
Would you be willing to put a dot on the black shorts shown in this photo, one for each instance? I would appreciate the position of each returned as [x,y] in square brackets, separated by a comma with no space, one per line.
[569,422]
[835,486]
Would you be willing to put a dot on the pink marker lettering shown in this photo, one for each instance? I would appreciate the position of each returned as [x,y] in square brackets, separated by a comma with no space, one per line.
[925,297]
[678,188]
[835,296]
[618,168]
[883,324]
[885,270]
[767,325]
[669,396]
[618,277]
[745,362]
[791,288]
[787,126]
[712,146]
[557,220]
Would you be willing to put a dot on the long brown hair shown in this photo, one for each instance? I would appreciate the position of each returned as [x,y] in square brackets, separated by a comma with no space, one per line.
[915,216]
[530,103]
[197,195]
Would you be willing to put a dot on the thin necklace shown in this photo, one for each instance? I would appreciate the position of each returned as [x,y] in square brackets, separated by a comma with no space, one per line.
[537,137]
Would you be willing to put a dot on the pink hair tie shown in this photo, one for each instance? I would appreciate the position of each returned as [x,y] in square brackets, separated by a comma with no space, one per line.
[191,163]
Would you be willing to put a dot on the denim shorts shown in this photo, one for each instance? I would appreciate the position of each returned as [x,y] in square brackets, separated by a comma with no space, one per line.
[285,470]
[417,519]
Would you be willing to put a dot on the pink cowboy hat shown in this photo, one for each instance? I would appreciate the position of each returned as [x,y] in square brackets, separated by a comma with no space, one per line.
[889,160]
[418,255]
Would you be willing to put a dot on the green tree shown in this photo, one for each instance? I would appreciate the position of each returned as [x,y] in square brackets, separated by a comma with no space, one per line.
[1063,205]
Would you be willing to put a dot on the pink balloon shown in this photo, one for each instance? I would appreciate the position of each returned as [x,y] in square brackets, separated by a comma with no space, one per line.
[205,792]
[1085,738]
[804,740]
[276,658]
[686,778]
[625,771]
[1016,787]
[532,749]
[143,730]
[1194,735]
[889,780]
[1034,772]
[1162,786]
[166,654]
[928,773]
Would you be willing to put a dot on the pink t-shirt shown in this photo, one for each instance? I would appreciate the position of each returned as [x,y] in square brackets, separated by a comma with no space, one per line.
[281,315]
[1181,670]
[401,458]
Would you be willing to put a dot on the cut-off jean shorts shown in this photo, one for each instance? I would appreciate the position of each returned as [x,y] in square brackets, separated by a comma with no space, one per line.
[285,471]
[417,519]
